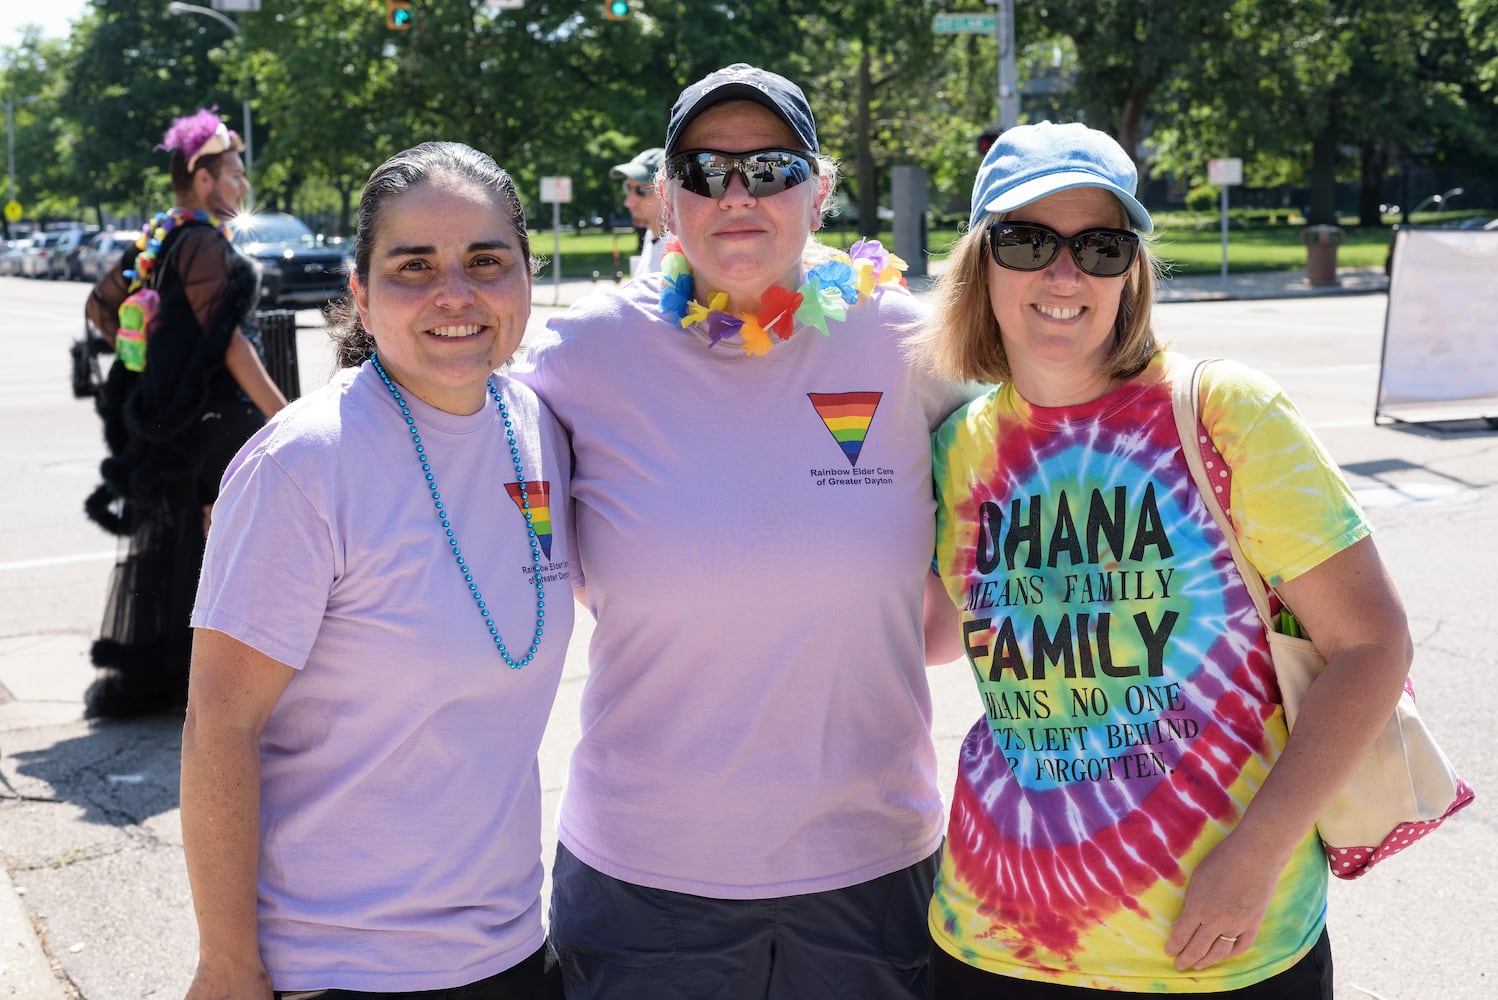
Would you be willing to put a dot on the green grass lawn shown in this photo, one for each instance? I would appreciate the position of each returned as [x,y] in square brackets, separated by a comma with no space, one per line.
[1267,248]
[1190,242]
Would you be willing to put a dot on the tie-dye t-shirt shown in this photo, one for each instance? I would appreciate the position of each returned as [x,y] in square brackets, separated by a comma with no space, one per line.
[1129,700]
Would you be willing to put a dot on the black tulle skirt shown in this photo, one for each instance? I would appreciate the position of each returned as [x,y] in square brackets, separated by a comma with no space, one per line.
[144,642]
[145,639]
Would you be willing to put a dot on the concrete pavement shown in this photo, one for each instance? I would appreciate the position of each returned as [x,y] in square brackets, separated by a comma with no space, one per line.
[93,895]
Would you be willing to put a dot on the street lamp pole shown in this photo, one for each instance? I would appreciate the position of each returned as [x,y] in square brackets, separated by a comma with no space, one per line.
[177,7]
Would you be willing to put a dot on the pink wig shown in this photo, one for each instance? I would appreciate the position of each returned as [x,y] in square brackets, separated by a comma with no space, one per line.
[188,133]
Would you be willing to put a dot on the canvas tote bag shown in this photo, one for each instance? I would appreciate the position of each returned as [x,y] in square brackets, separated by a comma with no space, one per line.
[1405,787]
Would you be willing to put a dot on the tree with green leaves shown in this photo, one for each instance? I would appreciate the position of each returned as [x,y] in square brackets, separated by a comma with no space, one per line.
[133,68]
[30,76]
[1126,52]
[1307,92]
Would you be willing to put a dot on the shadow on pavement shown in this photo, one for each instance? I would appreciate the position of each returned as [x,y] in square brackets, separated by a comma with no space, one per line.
[116,774]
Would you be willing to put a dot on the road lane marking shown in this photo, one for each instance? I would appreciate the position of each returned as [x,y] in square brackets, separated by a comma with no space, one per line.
[58,560]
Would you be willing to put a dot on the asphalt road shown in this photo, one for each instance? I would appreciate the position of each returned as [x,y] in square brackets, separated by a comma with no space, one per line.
[88,813]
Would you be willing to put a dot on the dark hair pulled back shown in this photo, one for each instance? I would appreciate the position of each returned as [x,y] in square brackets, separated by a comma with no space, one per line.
[353,345]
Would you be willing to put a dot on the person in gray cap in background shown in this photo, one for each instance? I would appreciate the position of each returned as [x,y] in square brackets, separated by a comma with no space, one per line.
[643,201]
[1155,833]
[752,808]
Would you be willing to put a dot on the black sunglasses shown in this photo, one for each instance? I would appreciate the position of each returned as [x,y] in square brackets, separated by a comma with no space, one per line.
[706,172]
[1029,246]
[638,190]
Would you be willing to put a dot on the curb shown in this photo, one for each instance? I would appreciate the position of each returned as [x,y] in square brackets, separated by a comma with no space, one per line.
[25,971]
[40,687]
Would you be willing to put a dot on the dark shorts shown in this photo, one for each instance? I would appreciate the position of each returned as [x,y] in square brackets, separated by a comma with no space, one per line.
[954,979]
[619,941]
[536,978]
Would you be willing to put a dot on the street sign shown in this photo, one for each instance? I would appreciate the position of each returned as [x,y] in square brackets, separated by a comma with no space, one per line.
[964,24]
[1228,170]
[1225,172]
[12,211]
[556,190]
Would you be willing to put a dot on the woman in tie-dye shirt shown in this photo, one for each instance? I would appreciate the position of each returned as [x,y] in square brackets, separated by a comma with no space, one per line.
[1131,814]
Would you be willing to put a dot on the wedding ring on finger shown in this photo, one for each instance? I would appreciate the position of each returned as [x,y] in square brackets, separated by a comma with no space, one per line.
[1229,938]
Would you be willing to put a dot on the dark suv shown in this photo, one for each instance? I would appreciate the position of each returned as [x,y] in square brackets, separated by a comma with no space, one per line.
[296,270]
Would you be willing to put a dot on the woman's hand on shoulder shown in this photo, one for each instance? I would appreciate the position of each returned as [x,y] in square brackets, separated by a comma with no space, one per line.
[1226,899]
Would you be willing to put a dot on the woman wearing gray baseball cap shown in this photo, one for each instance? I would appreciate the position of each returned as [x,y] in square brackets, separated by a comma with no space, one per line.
[752,810]
[1132,815]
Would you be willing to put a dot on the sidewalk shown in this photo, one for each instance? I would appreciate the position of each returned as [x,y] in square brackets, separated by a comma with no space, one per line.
[1269,285]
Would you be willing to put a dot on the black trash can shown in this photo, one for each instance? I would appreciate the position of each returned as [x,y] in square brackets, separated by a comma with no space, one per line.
[278,342]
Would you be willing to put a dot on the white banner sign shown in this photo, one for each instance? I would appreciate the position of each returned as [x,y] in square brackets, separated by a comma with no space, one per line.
[556,190]
[1440,357]
[1225,171]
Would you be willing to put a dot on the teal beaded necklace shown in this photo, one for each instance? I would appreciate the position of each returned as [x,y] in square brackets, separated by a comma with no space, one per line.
[444,516]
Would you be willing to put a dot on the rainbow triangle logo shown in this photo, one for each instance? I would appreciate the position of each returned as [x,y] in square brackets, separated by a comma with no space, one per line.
[540,501]
[847,416]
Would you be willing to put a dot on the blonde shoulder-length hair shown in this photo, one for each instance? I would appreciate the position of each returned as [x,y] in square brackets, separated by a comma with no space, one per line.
[962,341]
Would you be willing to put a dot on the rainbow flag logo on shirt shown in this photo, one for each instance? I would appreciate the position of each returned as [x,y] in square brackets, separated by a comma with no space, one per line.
[847,416]
[539,494]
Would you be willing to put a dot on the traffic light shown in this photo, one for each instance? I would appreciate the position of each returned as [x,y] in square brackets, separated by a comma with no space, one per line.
[398,15]
[986,139]
[616,10]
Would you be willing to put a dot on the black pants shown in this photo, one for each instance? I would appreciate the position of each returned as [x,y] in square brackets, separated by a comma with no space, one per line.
[536,978]
[954,979]
[620,941]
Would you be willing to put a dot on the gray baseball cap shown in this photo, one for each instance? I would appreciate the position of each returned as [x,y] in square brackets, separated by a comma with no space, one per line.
[642,168]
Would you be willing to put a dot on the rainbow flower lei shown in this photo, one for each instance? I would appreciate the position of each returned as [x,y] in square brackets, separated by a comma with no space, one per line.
[154,234]
[829,290]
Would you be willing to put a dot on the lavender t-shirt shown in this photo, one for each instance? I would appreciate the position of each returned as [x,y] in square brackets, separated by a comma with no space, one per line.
[401,806]
[756,532]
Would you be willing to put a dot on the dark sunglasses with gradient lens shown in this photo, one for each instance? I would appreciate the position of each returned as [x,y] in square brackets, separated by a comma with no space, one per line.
[1029,246]
[637,189]
[706,172]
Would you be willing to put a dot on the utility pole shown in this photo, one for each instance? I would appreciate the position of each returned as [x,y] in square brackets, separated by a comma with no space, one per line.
[1008,74]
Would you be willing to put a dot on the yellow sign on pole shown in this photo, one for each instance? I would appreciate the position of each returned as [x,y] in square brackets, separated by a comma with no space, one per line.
[12,211]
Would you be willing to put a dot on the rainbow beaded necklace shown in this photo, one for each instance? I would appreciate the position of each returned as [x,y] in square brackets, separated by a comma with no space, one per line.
[829,290]
[154,234]
[444,516]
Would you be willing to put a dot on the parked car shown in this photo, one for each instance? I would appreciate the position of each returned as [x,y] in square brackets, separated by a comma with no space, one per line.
[296,270]
[36,262]
[10,257]
[102,252]
[62,264]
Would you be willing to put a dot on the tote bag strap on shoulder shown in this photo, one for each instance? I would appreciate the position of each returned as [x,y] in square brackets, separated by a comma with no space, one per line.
[1186,402]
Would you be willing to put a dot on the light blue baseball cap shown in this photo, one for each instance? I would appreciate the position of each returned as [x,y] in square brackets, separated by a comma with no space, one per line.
[1029,162]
